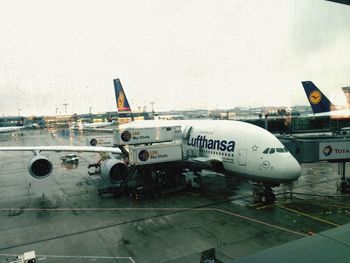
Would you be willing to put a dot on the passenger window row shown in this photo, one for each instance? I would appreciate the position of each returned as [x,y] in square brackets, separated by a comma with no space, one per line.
[218,153]
[206,132]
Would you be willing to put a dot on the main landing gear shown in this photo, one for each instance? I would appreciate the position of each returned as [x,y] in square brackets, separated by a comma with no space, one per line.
[263,194]
[344,184]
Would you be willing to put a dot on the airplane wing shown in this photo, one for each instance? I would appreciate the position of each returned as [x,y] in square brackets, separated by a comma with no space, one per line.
[90,129]
[62,149]
[11,129]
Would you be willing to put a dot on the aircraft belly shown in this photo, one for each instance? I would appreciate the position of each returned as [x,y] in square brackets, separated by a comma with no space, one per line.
[228,166]
[248,175]
[248,172]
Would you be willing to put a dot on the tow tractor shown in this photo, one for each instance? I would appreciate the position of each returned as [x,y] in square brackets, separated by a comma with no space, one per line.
[27,257]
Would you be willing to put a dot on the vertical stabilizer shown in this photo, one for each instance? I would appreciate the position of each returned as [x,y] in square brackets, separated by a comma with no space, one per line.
[121,100]
[318,101]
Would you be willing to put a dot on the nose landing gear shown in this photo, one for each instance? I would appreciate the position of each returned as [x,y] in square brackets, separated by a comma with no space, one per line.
[263,194]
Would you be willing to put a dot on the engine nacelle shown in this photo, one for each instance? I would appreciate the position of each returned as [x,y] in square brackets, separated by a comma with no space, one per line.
[40,167]
[113,169]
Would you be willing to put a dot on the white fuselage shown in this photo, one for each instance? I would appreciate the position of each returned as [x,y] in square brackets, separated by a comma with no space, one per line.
[241,148]
[11,128]
[345,113]
[97,124]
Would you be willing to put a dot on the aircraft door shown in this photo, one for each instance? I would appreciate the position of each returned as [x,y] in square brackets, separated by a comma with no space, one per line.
[186,132]
[242,157]
[190,152]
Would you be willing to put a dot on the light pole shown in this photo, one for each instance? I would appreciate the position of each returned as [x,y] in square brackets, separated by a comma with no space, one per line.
[90,114]
[19,112]
[65,107]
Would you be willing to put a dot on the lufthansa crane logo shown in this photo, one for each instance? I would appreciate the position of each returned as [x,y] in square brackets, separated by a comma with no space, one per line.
[143,155]
[125,136]
[121,100]
[93,142]
[327,150]
[315,97]
[266,164]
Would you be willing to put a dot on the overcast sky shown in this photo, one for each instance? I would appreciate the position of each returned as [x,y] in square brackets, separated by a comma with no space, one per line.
[178,54]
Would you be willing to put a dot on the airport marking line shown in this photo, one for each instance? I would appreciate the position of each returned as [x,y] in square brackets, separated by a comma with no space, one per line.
[310,216]
[177,209]
[255,204]
[336,205]
[260,222]
[64,256]
[265,206]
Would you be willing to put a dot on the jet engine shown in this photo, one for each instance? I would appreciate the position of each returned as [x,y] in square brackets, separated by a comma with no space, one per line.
[40,167]
[113,169]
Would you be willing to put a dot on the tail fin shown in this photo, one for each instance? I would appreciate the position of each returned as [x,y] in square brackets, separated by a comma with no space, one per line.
[122,101]
[318,101]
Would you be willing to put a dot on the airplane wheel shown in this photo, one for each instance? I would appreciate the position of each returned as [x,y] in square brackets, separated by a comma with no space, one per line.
[344,186]
[271,197]
[268,198]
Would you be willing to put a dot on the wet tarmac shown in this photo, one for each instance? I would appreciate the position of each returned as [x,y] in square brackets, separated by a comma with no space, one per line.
[63,218]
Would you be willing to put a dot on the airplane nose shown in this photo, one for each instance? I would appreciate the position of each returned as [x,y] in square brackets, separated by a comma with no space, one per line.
[292,169]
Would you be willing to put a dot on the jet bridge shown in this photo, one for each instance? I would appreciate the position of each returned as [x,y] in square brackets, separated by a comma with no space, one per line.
[310,148]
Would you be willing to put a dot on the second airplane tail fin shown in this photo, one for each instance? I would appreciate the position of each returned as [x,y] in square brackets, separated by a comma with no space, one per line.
[318,101]
[122,101]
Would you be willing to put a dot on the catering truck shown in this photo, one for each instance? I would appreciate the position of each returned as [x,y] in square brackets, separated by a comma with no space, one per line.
[155,163]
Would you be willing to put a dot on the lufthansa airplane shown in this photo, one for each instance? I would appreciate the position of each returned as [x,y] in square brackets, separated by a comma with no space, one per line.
[95,125]
[231,147]
[320,104]
[234,147]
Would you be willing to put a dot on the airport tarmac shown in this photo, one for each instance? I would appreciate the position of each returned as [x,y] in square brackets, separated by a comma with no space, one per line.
[63,218]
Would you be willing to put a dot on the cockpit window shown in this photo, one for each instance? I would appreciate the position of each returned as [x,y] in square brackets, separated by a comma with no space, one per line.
[273,150]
